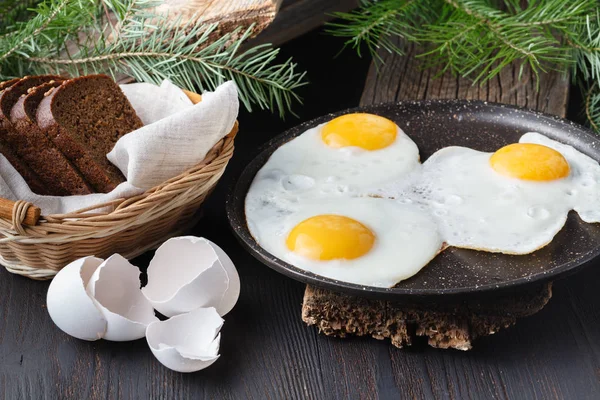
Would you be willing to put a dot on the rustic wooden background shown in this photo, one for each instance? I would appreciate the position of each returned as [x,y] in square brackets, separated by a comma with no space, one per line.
[268,352]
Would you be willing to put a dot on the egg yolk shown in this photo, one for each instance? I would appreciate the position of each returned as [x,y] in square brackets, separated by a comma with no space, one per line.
[368,131]
[529,161]
[330,237]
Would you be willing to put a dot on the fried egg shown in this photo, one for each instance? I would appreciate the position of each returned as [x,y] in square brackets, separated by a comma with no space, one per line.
[349,199]
[513,201]
[366,241]
[341,156]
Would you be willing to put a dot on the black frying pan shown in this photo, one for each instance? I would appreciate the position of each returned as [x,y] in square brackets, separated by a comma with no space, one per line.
[434,125]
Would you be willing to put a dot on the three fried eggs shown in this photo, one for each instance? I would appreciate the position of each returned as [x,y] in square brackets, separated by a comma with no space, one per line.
[349,199]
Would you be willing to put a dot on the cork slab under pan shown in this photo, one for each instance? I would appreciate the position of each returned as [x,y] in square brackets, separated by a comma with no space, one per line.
[434,125]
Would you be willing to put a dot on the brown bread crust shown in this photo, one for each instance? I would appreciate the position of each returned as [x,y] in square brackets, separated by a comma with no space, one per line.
[53,168]
[5,84]
[30,177]
[85,117]
[9,98]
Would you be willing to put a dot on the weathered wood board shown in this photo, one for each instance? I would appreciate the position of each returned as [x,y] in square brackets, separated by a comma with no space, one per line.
[456,326]
[277,21]
[240,11]
[229,15]
[402,78]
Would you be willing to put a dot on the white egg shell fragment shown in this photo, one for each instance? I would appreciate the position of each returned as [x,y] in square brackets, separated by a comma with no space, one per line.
[189,272]
[70,306]
[115,288]
[187,342]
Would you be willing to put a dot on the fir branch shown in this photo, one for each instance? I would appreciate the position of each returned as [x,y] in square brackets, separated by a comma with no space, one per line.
[123,9]
[553,14]
[500,38]
[478,38]
[14,11]
[26,36]
[585,41]
[474,38]
[376,23]
[55,23]
[592,107]
[151,48]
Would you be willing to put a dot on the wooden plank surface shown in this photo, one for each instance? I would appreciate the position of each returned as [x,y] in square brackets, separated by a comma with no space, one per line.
[234,13]
[267,352]
[230,15]
[402,78]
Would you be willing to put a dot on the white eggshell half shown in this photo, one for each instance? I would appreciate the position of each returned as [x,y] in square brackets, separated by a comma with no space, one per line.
[187,342]
[115,288]
[189,272]
[70,306]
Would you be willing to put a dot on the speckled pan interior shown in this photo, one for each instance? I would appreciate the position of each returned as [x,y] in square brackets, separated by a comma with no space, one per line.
[434,125]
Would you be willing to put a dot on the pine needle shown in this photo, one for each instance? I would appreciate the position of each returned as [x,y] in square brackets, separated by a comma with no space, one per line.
[376,23]
[592,107]
[13,12]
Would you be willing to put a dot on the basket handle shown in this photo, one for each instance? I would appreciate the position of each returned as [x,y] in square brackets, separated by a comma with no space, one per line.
[19,212]
[194,97]
[25,213]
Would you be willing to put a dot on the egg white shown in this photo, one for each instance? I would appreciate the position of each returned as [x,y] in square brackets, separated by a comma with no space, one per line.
[406,237]
[583,191]
[477,208]
[306,167]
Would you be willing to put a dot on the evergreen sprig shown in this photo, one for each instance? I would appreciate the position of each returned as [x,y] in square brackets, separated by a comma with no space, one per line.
[376,23]
[80,37]
[49,30]
[478,38]
[14,11]
[592,107]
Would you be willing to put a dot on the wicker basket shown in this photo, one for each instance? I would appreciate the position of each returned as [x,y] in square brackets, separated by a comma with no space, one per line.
[129,227]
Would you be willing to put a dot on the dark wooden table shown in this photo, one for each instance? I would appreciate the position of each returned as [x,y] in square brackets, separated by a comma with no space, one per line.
[266,350]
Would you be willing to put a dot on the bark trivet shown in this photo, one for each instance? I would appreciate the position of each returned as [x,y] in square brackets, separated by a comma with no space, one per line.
[453,325]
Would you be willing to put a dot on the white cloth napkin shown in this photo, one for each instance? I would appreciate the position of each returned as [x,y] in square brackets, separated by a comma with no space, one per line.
[176,136]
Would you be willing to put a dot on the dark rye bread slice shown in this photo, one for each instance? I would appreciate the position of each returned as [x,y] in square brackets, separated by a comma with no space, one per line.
[39,152]
[85,117]
[8,98]
[31,178]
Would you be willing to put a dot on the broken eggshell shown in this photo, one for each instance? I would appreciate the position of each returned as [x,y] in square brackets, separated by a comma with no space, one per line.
[190,272]
[187,342]
[70,306]
[93,299]
[115,289]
